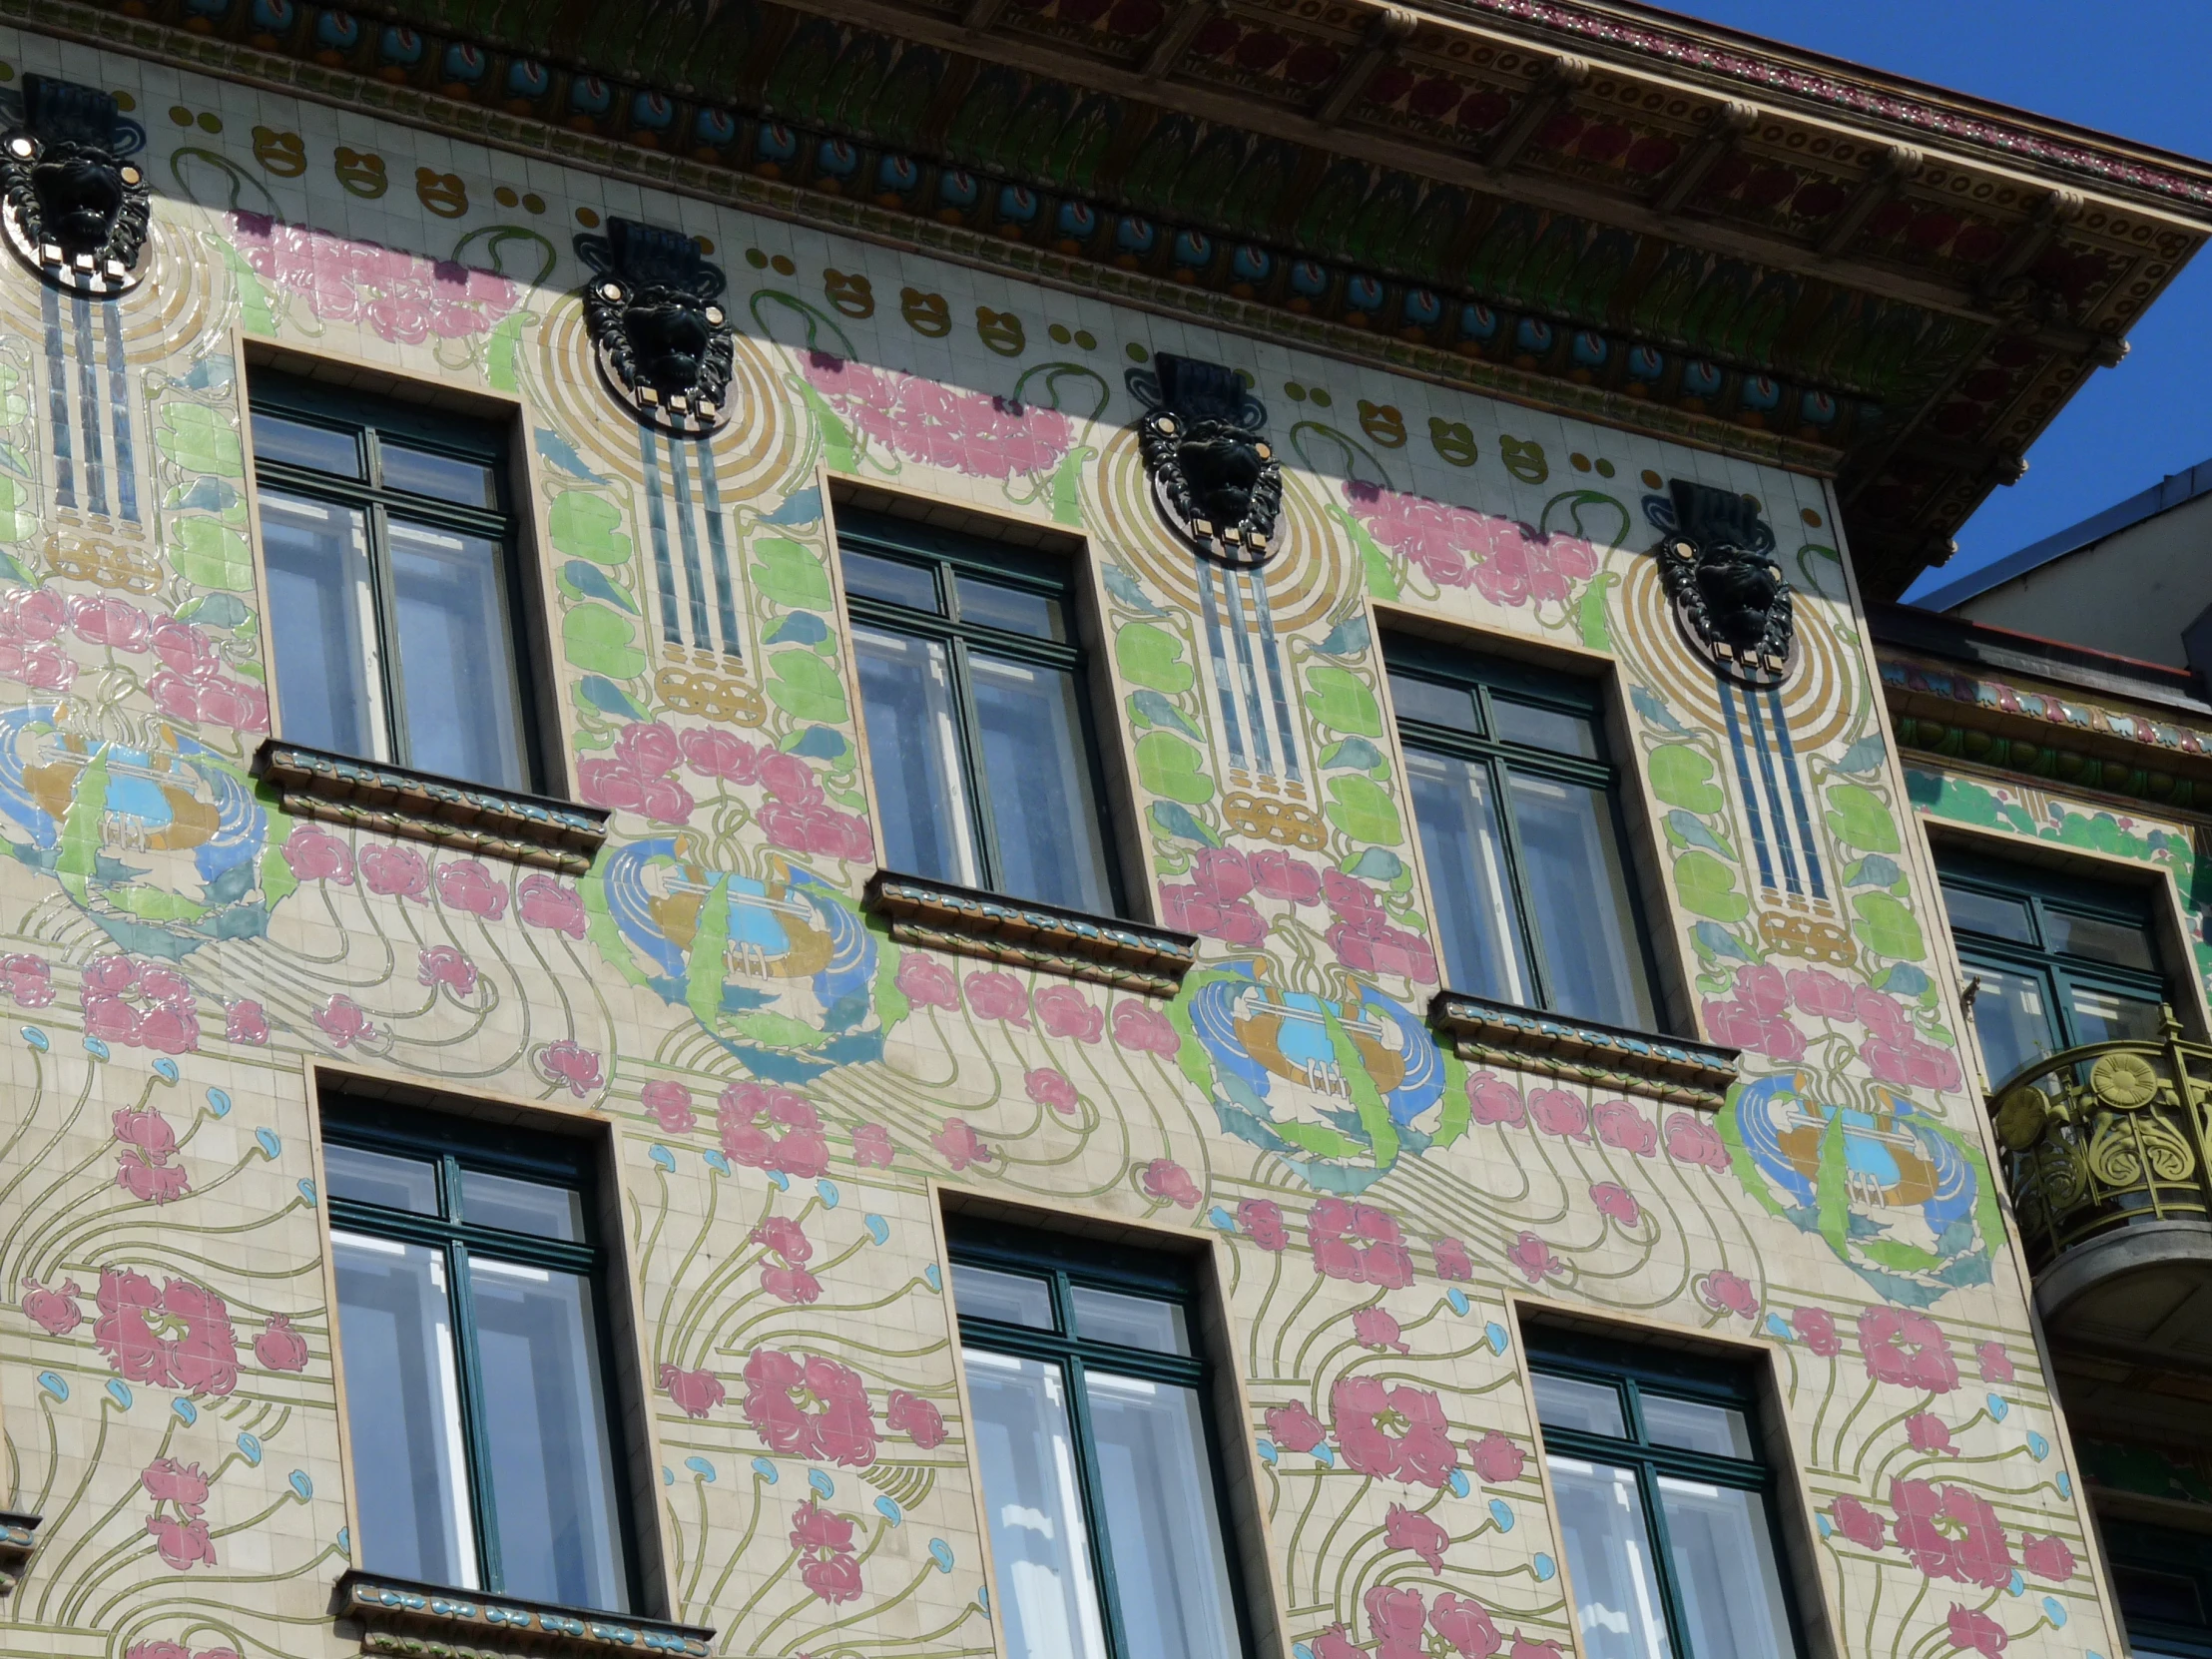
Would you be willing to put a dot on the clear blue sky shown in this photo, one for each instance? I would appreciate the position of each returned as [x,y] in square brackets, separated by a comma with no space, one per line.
[2134,68]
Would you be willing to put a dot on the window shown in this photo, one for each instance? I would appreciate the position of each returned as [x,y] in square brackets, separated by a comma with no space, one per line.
[1667,1512]
[2061,962]
[1099,1470]
[393,594]
[979,731]
[2163,1579]
[1520,825]
[474,1339]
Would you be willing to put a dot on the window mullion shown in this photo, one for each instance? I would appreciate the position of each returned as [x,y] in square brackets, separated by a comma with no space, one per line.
[384,604]
[1662,1551]
[971,726]
[1093,1484]
[1539,967]
[475,1420]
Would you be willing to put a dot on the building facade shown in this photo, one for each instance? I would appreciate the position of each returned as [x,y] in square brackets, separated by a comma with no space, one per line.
[1038,831]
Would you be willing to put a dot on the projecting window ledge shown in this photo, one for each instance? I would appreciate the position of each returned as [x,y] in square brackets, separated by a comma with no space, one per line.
[1045,937]
[18,1539]
[1582,1051]
[393,800]
[401,1617]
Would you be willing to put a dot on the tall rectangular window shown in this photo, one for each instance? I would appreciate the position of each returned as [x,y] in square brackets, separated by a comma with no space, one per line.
[389,544]
[1665,1508]
[1100,1469]
[1521,830]
[474,1336]
[980,733]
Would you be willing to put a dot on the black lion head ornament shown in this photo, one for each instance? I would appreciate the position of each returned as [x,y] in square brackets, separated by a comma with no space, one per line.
[1717,563]
[1215,480]
[654,315]
[73,206]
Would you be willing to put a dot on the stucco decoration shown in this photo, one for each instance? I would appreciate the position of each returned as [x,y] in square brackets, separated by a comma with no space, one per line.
[1729,599]
[1214,478]
[74,205]
[663,339]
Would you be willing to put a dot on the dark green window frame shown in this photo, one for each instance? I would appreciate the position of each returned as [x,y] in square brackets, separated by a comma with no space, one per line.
[1065,1265]
[453,1145]
[945,555]
[2151,1567]
[367,421]
[1634,1371]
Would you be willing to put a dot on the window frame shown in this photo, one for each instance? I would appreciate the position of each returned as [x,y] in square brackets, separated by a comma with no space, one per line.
[1066,1264]
[451,1144]
[367,418]
[1630,1370]
[1481,676]
[2141,1546]
[947,555]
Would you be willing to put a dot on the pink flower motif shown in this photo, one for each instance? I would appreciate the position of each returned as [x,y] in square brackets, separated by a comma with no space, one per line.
[927,982]
[696,1393]
[544,903]
[817,829]
[1360,1243]
[872,1146]
[1997,1364]
[395,871]
[713,752]
[444,964]
[1186,909]
[1167,1182]
[316,855]
[1262,1220]
[1376,1328]
[1691,1140]
[1063,1013]
[1762,989]
[1823,995]
[1275,874]
[1396,1616]
[834,1578]
[344,1021]
[1857,1524]
[1495,1101]
[1368,944]
[918,1419]
[1050,1087]
[1221,875]
[936,425]
[245,1022]
[29,979]
[123,1333]
[959,1145]
[1527,1647]
[1974,1632]
[110,975]
[1405,1528]
[1908,1347]
[54,1311]
[204,1355]
[803,1405]
[1930,1434]
[111,622]
[1452,1262]
[997,995]
[1816,1329]
[2050,1557]
[749,1118]
[144,1169]
[1398,1433]
[280,1347]
[792,1285]
[1143,1028]
[1728,1293]
[1884,1018]
[1334,1643]
[1741,1025]
[1294,1429]
[1951,1533]
[567,1063]
[670,1106]
[1465,1625]
[1910,1064]
[182,1544]
[1616,1202]
[822,1536]
[160,1650]
[1534,1258]
[1497,1458]
[1620,1124]
[467,885]
[1556,1112]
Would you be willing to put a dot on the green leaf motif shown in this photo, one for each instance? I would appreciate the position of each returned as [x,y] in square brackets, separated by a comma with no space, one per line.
[599,641]
[18,513]
[1151,656]
[806,686]
[1362,809]
[1707,887]
[1341,701]
[1859,818]
[790,573]
[199,439]
[1886,929]
[1167,765]
[1683,777]
[209,554]
[589,526]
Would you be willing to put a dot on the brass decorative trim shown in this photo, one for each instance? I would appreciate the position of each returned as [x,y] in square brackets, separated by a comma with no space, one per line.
[1125,954]
[423,1622]
[393,800]
[18,1542]
[1581,1051]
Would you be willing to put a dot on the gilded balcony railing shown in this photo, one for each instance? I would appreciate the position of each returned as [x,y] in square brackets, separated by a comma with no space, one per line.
[2105,1136]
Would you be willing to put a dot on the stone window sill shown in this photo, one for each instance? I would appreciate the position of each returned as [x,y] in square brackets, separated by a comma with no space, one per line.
[1582,1051]
[18,1539]
[426,1621]
[1045,937]
[414,806]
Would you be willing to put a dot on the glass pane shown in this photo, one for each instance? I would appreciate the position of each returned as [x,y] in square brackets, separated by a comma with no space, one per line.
[2099,941]
[1544,728]
[322,617]
[914,757]
[404,1411]
[1567,1402]
[2106,1016]
[1452,706]
[457,657]
[1131,1320]
[1695,1426]
[1476,916]
[1171,1570]
[1009,1298]
[1724,1569]
[278,438]
[2147,1593]
[2012,1019]
[533,1207]
[1009,608]
[552,1468]
[914,586]
[1044,816]
[1582,908]
[1047,1594]
[1609,1557]
[379,1178]
[1980,912]
[447,477]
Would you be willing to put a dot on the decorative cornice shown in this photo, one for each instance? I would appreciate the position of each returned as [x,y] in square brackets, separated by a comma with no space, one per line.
[1044,937]
[423,1621]
[18,1542]
[393,800]
[1582,1051]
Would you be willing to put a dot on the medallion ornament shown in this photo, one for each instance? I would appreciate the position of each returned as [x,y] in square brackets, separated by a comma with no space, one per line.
[1214,479]
[1717,562]
[73,203]
[663,339]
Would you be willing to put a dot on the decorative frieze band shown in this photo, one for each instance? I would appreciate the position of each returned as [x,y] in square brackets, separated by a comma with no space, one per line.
[420,1621]
[1040,936]
[18,1539]
[392,801]
[1580,1051]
